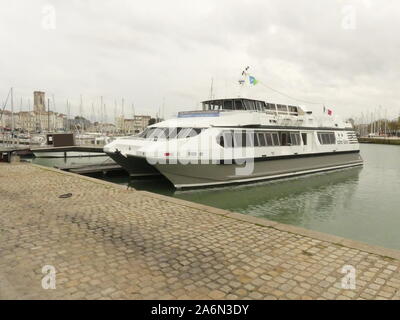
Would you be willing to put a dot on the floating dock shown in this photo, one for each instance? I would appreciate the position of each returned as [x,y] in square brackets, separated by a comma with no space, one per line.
[8,152]
[69,148]
[95,168]
[380,140]
[107,242]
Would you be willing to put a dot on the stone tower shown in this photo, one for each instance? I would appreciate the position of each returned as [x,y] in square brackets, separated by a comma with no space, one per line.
[39,102]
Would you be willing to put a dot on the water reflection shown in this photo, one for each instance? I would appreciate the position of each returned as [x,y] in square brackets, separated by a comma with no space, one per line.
[69,162]
[294,201]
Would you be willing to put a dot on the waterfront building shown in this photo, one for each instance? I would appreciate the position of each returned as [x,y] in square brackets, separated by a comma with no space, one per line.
[5,119]
[130,126]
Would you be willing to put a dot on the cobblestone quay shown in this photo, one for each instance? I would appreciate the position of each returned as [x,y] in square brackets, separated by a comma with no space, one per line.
[107,242]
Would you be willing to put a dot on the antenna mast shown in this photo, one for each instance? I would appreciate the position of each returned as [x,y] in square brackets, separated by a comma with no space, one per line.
[12,115]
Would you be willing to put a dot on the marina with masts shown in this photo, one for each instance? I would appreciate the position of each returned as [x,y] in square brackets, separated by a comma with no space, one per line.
[28,127]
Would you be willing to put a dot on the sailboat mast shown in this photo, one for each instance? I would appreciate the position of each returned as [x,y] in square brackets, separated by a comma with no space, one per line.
[12,115]
[115,115]
[211,89]
[123,117]
[163,108]
[54,114]
[80,114]
[101,114]
[68,124]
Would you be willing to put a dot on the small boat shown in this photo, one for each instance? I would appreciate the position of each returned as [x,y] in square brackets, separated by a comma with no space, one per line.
[52,141]
[45,153]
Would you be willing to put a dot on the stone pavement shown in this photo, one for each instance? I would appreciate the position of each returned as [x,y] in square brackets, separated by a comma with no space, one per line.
[107,242]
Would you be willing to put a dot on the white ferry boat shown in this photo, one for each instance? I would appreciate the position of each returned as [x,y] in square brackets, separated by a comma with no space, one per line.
[238,140]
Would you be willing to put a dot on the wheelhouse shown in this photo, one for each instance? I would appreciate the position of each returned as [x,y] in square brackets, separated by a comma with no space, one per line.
[234,104]
[250,105]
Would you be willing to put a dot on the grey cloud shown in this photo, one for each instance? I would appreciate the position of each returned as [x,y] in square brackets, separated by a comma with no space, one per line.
[145,51]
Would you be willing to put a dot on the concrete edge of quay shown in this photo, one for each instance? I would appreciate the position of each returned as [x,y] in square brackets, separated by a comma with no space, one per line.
[379,141]
[95,180]
[337,240]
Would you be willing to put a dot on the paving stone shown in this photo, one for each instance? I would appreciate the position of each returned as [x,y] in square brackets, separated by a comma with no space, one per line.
[107,242]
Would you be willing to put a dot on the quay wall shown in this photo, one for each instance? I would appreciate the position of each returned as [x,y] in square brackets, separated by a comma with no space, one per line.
[395,141]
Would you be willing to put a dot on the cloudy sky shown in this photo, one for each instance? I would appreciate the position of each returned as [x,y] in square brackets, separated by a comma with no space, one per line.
[345,54]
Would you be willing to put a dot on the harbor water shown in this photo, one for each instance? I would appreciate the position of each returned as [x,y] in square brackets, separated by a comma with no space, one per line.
[360,203]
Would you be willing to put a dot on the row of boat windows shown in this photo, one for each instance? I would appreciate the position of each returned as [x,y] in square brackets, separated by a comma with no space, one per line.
[234,139]
[244,104]
[236,104]
[326,138]
[169,133]
[239,138]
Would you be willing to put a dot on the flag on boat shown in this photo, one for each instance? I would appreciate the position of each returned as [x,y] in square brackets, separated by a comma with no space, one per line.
[253,80]
[328,111]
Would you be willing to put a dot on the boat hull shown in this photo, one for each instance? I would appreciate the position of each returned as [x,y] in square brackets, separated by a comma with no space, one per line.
[203,175]
[135,166]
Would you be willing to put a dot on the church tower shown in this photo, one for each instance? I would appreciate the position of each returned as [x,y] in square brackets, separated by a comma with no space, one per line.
[39,105]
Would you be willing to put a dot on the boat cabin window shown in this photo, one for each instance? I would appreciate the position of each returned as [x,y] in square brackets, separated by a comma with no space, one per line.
[228,104]
[239,139]
[275,138]
[239,105]
[148,133]
[295,139]
[262,142]
[269,139]
[242,139]
[282,109]
[216,105]
[290,138]
[213,105]
[264,139]
[186,133]
[304,138]
[270,108]
[260,105]
[284,138]
[249,104]
[293,110]
[221,141]
[228,138]
[326,138]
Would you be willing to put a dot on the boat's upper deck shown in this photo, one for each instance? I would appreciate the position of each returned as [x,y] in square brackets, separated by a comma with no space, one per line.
[243,112]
